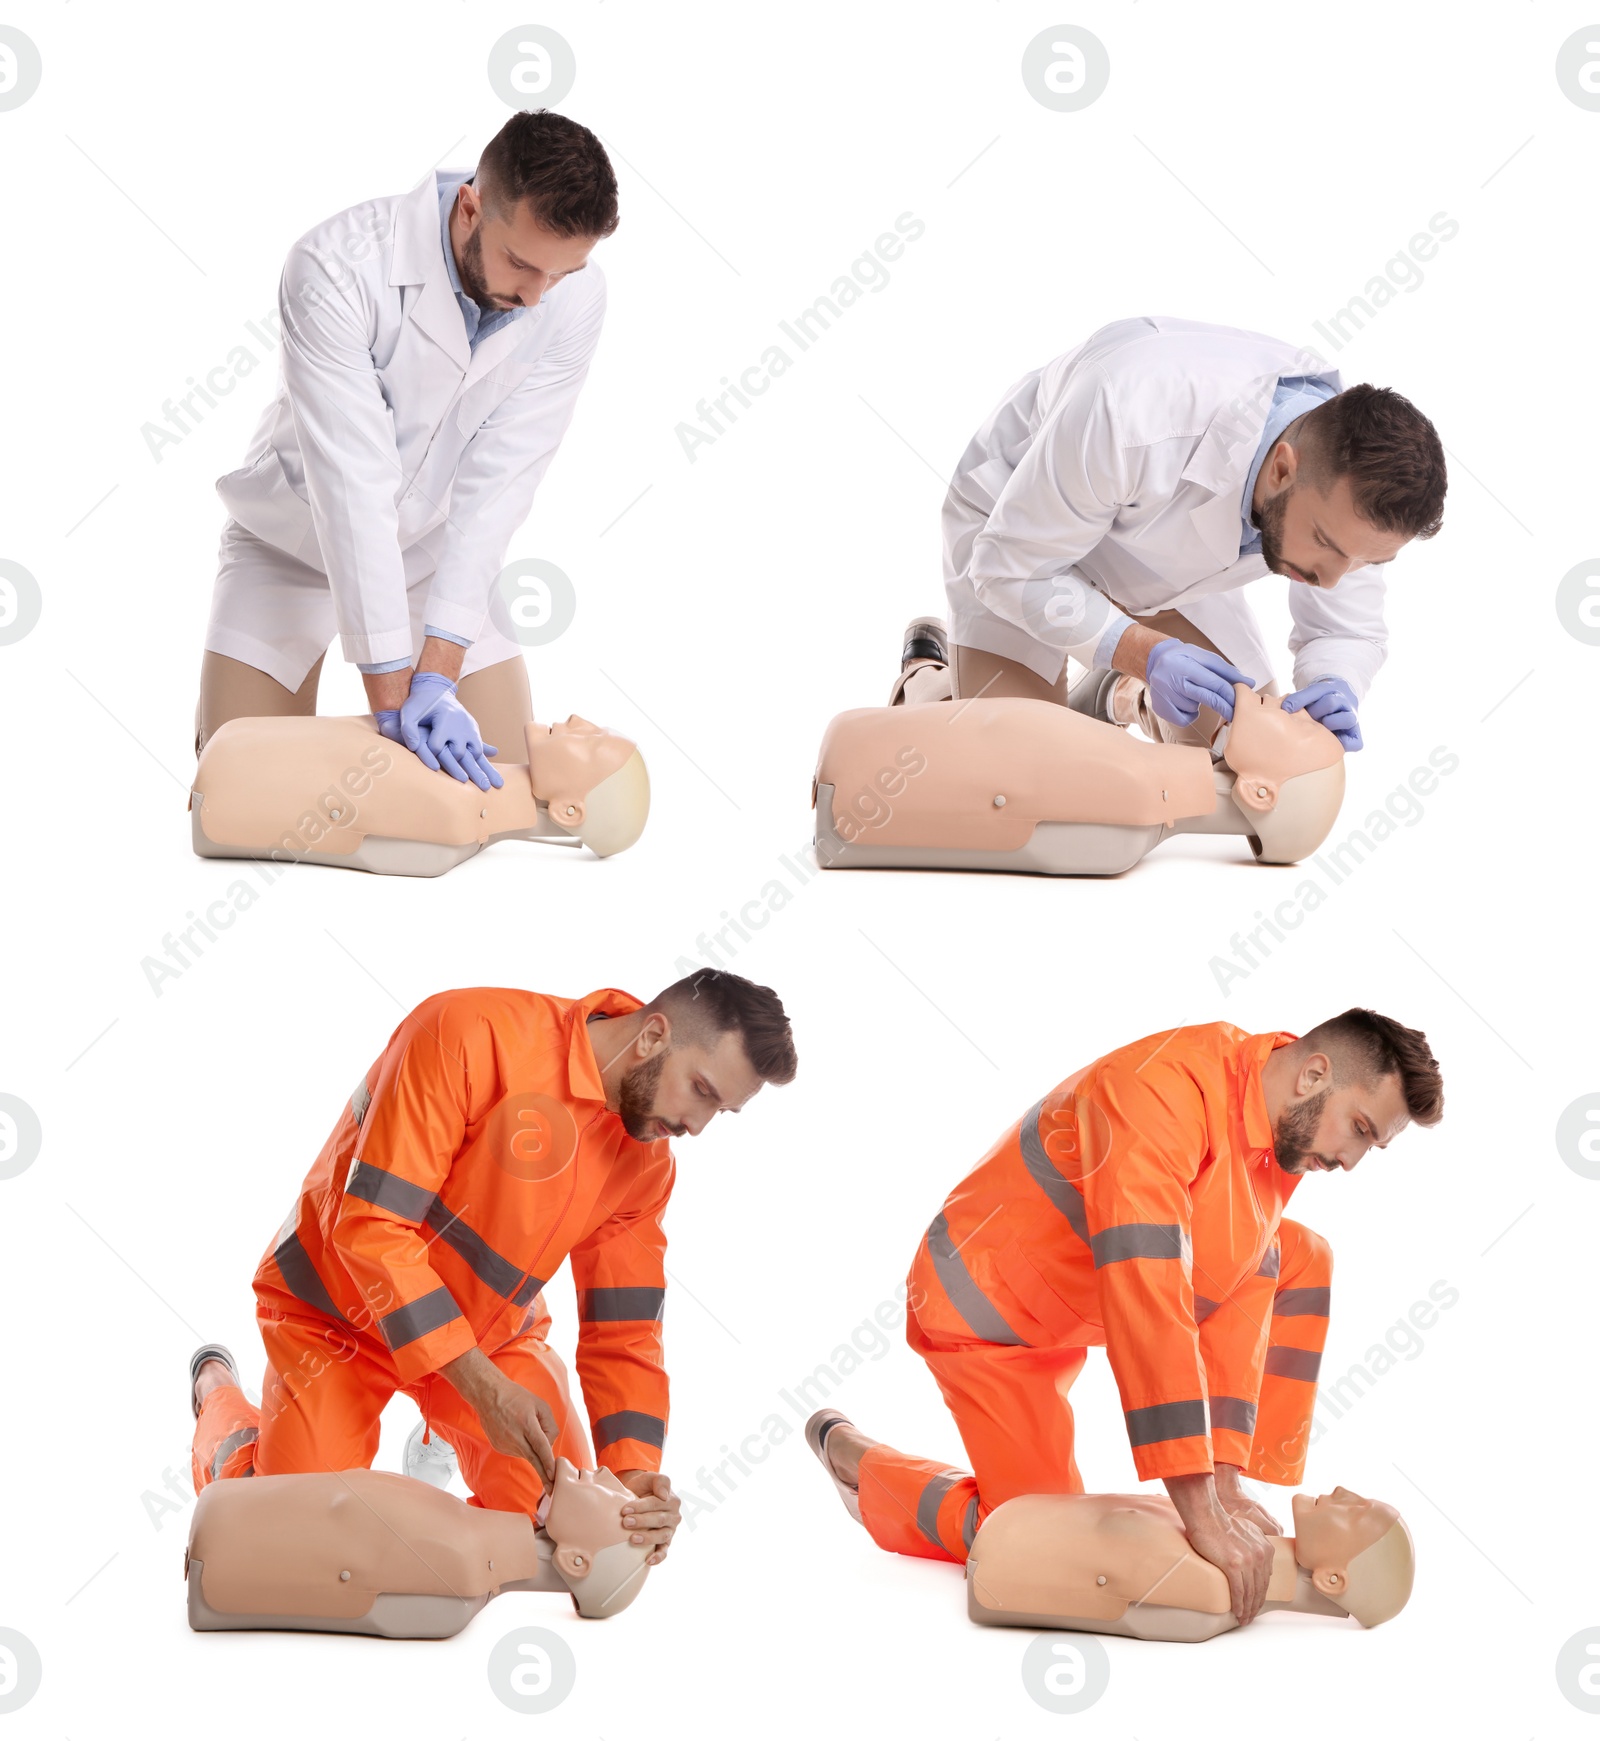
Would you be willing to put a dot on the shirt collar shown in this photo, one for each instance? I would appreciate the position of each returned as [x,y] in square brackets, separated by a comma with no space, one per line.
[583,1069]
[1295,395]
[1257,1121]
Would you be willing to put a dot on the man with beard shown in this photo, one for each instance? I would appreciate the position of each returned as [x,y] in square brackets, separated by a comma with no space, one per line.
[499,1133]
[433,348]
[1117,500]
[1139,1206]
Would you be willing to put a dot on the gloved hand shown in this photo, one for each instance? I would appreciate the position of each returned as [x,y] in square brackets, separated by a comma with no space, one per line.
[1331,702]
[1181,679]
[443,735]
[389,724]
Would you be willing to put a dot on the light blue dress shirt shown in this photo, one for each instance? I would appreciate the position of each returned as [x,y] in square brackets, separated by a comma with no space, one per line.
[479,322]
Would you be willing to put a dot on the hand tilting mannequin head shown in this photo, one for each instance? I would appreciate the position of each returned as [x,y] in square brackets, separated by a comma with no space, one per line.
[356,1550]
[1120,1563]
[331,791]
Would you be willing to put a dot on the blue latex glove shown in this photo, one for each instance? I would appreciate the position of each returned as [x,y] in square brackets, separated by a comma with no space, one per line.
[443,735]
[1183,679]
[1331,702]
[389,724]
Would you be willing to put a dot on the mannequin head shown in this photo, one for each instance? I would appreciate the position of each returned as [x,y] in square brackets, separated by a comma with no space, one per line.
[602,1568]
[1358,1551]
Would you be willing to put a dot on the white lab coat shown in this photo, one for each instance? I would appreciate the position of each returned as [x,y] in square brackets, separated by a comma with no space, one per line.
[394,460]
[1122,464]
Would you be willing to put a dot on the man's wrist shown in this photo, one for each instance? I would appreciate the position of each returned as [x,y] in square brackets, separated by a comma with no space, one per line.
[442,656]
[386,690]
[1132,653]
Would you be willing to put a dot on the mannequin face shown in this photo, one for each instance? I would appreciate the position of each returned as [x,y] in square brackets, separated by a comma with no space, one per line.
[676,1089]
[585,1516]
[1331,1529]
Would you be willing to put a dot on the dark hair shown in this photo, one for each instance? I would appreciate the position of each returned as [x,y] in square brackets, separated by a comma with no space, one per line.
[1388,450]
[1368,1046]
[710,1003]
[555,164]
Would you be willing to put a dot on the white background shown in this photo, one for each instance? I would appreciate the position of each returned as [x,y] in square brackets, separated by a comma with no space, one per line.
[1255,166]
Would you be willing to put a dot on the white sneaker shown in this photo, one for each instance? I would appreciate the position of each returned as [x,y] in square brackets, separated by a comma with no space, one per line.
[433,1462]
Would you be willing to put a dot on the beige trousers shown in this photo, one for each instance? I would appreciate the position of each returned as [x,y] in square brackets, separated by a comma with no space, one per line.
[980,673]
[497,697]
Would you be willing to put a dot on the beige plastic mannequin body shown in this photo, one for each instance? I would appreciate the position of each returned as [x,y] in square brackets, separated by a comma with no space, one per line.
[1011,784]
[334,792]
[1120,1563]
[392,1557]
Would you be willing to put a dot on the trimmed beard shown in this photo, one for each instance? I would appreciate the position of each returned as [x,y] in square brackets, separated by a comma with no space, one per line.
[636,1098]
[1292,1134]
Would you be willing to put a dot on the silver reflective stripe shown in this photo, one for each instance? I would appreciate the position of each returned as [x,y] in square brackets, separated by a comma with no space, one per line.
[1166,1420]
[1301,1363]
[929,1501]
[620,1305]
[300,1276]
[360,1101]
[493,1270]
[1136,1239]
[244,1436]
[969,1522]
[1233,1414]
[388,1191]
[629,1424]
[965,1295]
[1300,1303]
[1269,1262]
[1042,1170]
[406,1324]
[1203,1308]
[527,1292]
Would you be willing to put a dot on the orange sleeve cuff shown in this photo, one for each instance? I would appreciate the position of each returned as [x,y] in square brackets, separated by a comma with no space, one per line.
[449,1342]
[626,1454]
[1190,1456]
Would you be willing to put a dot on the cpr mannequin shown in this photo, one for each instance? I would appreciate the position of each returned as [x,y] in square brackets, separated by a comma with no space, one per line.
[386,1555]
[1006,783]
[333,791]
[1120,1563]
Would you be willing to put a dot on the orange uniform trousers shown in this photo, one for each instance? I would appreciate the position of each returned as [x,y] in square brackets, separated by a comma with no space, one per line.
[322,1396]
[1012,1410]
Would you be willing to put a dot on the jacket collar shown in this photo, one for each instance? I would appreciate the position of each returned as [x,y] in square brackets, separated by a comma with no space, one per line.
[419,259]
[1257,1123]
[583,1069]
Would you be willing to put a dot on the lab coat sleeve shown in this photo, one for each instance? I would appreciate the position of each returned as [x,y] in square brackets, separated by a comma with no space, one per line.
[504,461]
[345,433]
[1339,631]
[413,1126]
[1053,509]
[1142,1135]
[1233,1344]
[621,1281]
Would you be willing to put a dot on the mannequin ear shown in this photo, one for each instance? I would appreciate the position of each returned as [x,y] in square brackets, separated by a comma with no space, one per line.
[1331,1582]
[570,1563]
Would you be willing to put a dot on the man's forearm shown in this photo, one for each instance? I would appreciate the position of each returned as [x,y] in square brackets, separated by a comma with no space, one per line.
[1133,649]
[474,1375]
[1195,1497]
[387,690]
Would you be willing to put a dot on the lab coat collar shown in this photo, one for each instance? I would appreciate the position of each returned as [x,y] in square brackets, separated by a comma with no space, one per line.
[1257,1123]
[583,1069]
[419,259]
[1222,459]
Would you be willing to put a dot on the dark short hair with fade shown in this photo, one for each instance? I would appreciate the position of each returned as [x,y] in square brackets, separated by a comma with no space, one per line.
[1369,1046]
[710,1003]
[555,164]
[1388,450]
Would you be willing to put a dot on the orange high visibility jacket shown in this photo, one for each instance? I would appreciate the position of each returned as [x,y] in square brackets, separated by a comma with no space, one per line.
[1136,1206]
[473,1157]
